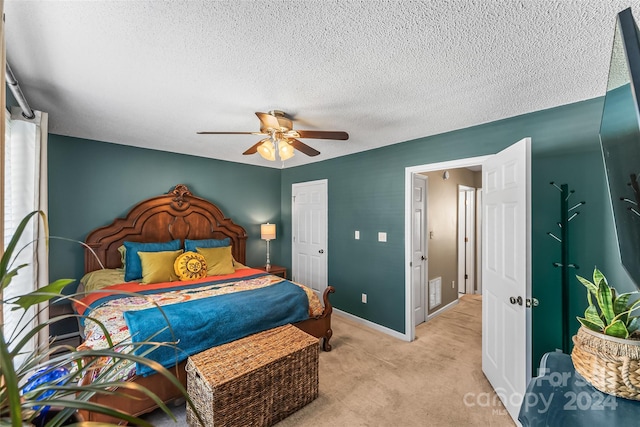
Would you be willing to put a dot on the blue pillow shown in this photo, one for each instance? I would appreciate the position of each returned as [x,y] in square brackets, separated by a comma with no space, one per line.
[133,266]
[191,245]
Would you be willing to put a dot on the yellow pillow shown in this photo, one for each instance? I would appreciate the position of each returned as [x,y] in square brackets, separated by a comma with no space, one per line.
[219,260]
[238,265]
[190,266]
[123,255]
[158,266]
[101,279]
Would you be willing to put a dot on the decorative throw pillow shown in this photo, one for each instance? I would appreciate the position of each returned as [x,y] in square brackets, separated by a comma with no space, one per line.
[101,279]
[191,245]
[190,266]
[157,267]
[132,266]
[237,265]
[219,260]
[123,255]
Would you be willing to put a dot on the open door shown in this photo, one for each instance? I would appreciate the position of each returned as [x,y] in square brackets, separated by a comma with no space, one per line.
[506,273]
[419,263]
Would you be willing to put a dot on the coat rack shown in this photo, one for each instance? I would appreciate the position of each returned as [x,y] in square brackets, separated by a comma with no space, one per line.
[566,215]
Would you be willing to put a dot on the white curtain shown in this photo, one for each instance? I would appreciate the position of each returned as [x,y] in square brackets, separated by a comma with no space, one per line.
[25,192]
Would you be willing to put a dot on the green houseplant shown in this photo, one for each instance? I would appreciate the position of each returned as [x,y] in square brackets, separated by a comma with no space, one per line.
[613,313]
[606,351]
[20,405]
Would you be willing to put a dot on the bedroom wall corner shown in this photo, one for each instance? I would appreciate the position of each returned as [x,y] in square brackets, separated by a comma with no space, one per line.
[92,182]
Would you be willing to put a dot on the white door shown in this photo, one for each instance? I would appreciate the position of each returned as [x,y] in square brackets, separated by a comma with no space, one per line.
[419,248]
[466,239]
[309,239]
[506,271]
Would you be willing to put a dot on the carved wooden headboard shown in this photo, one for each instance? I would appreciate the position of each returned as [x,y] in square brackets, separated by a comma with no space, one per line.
[175,215]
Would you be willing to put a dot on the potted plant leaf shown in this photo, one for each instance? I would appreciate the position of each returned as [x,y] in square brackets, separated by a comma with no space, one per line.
[43,388]
[606,348]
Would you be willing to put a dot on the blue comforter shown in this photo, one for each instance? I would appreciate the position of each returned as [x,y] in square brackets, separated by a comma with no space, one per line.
[204,323]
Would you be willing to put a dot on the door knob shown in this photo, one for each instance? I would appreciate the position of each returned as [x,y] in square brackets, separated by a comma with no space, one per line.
[532,302]
[423,257]
[321,251]
[512,300]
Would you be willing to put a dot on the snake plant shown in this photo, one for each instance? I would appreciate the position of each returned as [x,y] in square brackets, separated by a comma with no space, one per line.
[612,312]
[47,377]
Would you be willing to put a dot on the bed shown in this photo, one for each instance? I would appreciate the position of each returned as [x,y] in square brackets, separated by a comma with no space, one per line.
[180,216]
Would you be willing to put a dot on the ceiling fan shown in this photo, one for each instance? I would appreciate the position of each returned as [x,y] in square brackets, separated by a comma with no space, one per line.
[281,137]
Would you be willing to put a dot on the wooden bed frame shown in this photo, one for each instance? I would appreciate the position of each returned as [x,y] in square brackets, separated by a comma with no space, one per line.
[175,215]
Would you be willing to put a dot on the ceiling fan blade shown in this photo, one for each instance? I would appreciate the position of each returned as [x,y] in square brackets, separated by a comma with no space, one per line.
[302,147]
[254,148]
[267,121]
[323,134]
[230,133]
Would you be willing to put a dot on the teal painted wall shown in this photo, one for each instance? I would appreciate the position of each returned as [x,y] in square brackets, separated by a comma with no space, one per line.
[91,183]
[366,193]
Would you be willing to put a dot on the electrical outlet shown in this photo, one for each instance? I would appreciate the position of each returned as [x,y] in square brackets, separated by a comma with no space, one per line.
[364,298]
[453,284]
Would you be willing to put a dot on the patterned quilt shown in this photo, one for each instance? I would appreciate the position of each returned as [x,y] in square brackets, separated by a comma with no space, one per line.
[108,306]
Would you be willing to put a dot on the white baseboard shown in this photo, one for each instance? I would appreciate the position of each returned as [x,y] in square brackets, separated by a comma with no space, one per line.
[443,309]
[384,329]
[371,325]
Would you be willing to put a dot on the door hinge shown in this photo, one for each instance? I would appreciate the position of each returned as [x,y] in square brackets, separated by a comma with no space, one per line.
[532,302]
[410,263]
[466,277]
[466,240]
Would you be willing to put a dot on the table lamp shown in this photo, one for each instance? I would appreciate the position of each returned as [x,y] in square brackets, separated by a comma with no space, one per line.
[268,232]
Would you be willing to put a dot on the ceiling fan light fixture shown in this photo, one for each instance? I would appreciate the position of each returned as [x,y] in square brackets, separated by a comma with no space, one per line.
[285,150]
[282,141]
[267,150]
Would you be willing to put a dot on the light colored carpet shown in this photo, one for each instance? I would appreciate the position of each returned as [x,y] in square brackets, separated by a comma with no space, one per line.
[373,379]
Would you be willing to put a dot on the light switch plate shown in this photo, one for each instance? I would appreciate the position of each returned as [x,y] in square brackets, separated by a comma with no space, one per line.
[382,236]
[357,235]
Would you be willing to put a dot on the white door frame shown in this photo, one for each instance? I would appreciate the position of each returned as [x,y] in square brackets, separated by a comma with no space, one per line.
[409,327]
[466,249]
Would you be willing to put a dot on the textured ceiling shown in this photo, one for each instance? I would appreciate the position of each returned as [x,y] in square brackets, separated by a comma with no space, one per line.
[153,73]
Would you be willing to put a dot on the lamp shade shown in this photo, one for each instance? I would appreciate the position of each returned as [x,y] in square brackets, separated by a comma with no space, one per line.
[267,231]
[285,150]
[267,150]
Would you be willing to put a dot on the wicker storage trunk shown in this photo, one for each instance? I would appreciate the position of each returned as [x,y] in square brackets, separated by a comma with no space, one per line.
[255,381]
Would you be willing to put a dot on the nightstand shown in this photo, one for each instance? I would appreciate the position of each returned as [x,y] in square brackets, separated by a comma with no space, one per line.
[276,270]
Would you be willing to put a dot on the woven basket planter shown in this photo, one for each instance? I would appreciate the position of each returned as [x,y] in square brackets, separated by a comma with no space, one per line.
[612,365]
